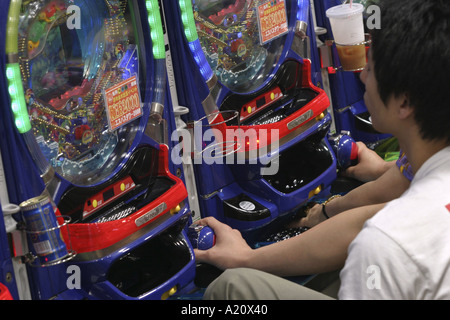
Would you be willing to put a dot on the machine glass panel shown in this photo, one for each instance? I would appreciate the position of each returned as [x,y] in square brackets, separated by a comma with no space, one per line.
[68,59]
[229,33]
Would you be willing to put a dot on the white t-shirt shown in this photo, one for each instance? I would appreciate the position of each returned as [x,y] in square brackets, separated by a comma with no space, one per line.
[403,252]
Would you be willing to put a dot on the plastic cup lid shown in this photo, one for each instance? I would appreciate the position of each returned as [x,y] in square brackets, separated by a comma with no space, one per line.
[344,10]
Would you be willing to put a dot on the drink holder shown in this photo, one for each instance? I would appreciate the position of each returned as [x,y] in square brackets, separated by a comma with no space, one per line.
[219,148]
[33,260]
[330,57]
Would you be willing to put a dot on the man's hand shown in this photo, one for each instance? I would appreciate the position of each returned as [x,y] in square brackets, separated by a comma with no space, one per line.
[230,250]
[314,216]
[370,165]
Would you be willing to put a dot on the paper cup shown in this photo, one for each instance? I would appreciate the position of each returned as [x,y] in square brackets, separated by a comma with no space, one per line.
[348,31]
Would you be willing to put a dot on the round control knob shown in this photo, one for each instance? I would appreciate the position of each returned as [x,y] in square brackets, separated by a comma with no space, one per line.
[201,237]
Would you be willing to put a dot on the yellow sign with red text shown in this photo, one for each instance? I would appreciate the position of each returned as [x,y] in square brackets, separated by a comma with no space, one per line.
[123,103]
[272,20]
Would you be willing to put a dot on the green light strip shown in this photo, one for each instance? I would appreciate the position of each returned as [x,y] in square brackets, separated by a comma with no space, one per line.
[15,88]
[18,105]
[156,31]
[187,16]
[12,27]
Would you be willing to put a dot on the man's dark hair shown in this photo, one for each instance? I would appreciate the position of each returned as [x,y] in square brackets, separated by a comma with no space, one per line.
[411,54]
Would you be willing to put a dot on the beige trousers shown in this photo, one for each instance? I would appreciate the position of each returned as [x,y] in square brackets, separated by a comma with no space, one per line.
[250,284]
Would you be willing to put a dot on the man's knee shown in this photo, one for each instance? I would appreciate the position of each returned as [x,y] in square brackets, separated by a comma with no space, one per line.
[228,286]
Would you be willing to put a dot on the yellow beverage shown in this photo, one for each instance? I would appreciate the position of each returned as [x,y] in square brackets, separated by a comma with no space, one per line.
[352,57]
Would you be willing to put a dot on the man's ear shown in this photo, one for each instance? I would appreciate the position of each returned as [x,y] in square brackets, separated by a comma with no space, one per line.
[405,109]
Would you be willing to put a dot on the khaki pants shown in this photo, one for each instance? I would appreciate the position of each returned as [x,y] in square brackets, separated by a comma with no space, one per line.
[250,284]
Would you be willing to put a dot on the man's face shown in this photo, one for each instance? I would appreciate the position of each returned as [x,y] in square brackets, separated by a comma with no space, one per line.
[378,110]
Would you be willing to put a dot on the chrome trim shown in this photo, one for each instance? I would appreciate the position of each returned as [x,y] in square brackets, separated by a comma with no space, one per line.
[150,215]
[300,28]
[300,119]
[157,108]
[12,58]
[212,82]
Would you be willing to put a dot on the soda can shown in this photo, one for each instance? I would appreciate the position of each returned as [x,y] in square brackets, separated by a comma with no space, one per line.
[43,230]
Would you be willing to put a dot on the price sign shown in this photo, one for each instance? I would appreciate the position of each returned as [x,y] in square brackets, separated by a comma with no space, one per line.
[123,103]
[272,20]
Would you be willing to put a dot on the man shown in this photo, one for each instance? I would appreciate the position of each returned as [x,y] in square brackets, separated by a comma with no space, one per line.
[403,252]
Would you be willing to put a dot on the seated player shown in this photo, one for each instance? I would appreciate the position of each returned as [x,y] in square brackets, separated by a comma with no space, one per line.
[403,251]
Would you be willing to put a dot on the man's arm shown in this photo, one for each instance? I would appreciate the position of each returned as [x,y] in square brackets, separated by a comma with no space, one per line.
[320,249]
[389,186]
